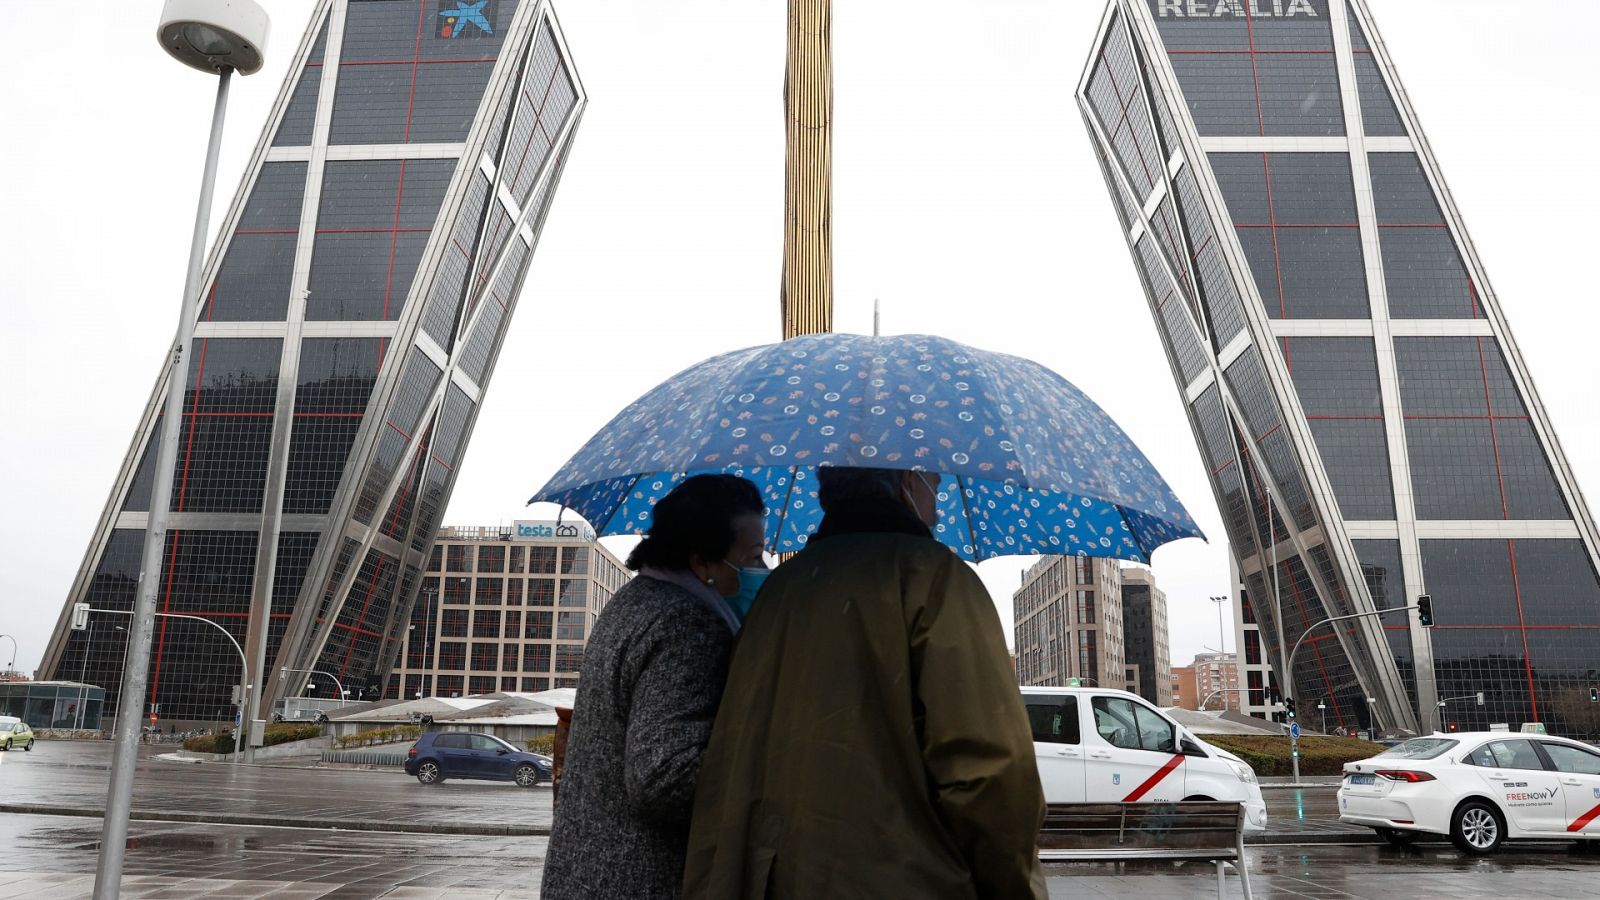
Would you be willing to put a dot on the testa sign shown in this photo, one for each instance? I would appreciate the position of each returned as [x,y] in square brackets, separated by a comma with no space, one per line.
[548,531]
[1254,9]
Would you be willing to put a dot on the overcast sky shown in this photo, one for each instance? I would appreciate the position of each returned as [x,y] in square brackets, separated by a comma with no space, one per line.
[966,199]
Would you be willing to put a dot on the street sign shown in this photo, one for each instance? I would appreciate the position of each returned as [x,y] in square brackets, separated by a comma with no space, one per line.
[1294,731]
[80,616]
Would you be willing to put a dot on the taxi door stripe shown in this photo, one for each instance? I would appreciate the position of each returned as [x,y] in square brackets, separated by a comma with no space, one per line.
[1585,819]
[1154,779]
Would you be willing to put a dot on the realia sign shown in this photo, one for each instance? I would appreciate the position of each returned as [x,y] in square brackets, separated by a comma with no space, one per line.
[524,530]
[1254,9]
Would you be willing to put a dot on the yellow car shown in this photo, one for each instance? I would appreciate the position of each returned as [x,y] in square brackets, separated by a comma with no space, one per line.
[15,733]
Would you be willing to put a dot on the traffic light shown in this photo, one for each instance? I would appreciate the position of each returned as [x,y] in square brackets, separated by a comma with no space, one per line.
[1288,706]
[1594,695]
[1425,611]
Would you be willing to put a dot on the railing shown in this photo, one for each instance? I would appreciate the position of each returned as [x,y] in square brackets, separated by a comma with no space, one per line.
[365,757]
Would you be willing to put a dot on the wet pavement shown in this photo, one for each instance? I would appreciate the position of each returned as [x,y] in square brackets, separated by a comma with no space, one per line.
[72,776]
[1308,853]
[50,856]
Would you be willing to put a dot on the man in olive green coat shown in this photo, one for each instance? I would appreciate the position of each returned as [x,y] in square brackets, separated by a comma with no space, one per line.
[871,741]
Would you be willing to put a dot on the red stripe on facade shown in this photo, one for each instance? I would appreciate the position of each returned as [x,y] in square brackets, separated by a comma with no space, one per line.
[1154,779]
[1527,658]
[394,232]
[416,57]
[1582,821]
[408,62]
[1255,77]
[1494,438]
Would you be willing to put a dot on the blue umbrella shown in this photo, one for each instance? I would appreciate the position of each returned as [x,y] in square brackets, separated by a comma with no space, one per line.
[1026,463]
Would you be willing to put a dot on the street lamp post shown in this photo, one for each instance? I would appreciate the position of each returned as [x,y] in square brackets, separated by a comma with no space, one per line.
[285,672]
[1288,676]
[1222,634]
[216,37]
[12,665]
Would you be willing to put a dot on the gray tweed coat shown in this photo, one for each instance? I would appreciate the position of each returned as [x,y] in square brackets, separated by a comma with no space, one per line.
[652,677]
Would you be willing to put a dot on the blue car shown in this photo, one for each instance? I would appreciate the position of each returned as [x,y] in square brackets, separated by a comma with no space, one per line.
[438,755]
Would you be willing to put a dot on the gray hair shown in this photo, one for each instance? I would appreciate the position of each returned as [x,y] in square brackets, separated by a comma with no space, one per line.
[839,484]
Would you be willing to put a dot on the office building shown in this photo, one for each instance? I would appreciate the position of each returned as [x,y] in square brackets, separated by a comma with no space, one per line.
[351,313]
[1370,428]
[1068,622]
[1146,649]
[504,609]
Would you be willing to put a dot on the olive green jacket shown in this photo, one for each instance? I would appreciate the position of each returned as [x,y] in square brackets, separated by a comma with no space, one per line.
[871,741]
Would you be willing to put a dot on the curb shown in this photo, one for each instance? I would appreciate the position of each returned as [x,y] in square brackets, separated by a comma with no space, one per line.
[197,818]
[1289,786]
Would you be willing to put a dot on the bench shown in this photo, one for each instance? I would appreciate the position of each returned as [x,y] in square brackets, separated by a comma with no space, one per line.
[1198,830]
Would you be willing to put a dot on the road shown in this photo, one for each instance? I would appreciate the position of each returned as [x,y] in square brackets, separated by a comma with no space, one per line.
[54,856]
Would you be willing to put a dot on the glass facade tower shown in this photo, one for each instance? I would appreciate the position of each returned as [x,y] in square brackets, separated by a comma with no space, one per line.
[355,302]
[1370,429]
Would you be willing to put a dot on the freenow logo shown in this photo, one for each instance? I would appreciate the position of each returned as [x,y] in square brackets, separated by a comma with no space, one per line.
[1254,9]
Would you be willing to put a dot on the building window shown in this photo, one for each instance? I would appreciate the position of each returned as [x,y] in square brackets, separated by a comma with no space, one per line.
[452,657]
[570,625]
[574,560]
[481,684]
[575,592]
[453,623]
[1088,658]
[1085,607]
[541,592]
[535,685]
[460,558]
[485,657]
[1252,647]
[491,558]
[434,558]
[451,685]
[569,657]
[508,657]
[538,625]
[535,657]
[508,684]
[516,563]
[458,590]
[541,560]
[1082,570]
[514,592]
[485,624]
[489,591]
[513,623]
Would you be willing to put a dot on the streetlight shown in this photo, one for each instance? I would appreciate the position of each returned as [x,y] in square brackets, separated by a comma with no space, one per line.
[216,36]
[1222,635]
[11,666]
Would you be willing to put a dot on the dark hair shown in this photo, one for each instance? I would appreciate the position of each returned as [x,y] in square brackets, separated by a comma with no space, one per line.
[841,484]
[695,519]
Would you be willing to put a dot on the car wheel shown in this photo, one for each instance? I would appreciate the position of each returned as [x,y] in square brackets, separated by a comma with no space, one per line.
[29,748]
[527,775]
[1477,828]
[8,745]
[430,773]
[1398,837]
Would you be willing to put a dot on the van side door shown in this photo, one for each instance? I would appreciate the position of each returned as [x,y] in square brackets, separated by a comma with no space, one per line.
[1579,771]
[1057,745]
[1133,754]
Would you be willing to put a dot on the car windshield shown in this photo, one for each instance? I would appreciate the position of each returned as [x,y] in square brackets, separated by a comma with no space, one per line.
[1420,748]
[7,726]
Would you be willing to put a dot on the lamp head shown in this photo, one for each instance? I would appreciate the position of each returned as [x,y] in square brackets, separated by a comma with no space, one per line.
[213,35]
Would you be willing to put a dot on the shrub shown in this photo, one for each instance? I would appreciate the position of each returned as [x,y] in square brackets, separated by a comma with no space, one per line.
[544,743]
[378,736]
[1269,754]
[274,735]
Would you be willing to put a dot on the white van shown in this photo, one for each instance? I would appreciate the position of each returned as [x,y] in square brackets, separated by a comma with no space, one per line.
[1098,745]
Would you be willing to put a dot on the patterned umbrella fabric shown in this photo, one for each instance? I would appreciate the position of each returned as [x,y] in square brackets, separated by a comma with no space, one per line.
[1027,464]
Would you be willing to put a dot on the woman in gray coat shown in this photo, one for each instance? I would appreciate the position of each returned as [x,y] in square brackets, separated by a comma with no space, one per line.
[652,677]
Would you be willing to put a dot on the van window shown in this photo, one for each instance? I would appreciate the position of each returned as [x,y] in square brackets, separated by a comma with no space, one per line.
[451,741]
[1133,726]
[1570,759]
[1054,720]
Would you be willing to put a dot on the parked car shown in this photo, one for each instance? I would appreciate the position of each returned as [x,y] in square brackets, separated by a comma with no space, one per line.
[438,755]
[15,733]
[1480,789]
[1098,745]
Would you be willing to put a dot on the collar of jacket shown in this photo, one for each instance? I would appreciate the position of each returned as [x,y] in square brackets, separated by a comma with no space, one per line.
[868,517]
[701,591]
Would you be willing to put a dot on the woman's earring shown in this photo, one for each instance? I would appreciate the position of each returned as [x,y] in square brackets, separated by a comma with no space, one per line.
[711,581]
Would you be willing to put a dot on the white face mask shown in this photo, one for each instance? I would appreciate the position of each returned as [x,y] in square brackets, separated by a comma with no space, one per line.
[916,508]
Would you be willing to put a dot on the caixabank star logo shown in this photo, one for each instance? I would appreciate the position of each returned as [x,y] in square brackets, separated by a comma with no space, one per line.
[461,18]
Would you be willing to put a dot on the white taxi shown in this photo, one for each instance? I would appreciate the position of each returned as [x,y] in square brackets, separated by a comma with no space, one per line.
[1098,745]
[1480,788]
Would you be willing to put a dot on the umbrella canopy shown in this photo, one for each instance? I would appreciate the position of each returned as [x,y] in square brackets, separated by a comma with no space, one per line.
[1027,464]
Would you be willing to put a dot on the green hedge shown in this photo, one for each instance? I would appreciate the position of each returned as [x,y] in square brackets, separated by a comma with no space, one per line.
[544,743]
[378,736]
[1269,754]
[283,733]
